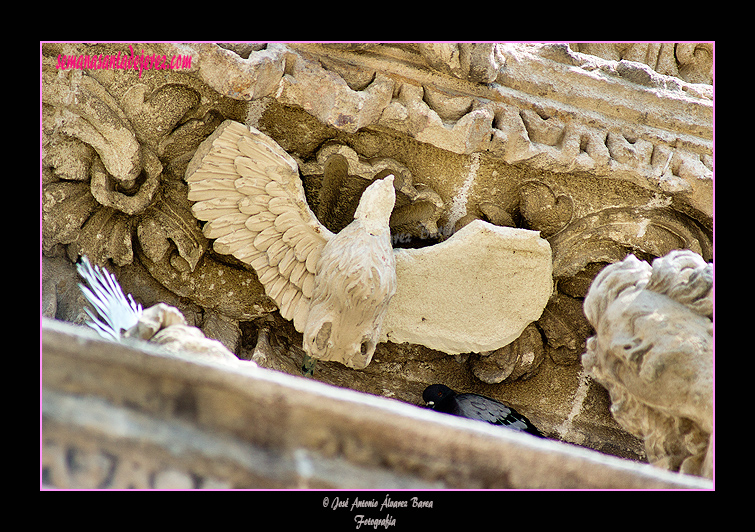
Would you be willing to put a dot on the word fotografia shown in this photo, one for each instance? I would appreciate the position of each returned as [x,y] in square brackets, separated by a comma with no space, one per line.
[385,522]
[140,62]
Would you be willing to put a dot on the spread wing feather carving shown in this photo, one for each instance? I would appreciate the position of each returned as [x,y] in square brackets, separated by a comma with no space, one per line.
[249,191]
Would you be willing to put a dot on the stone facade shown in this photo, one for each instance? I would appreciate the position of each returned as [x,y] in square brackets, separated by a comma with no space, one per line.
[604,150]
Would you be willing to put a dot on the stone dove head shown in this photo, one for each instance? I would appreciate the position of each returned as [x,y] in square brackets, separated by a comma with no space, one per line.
[377,203]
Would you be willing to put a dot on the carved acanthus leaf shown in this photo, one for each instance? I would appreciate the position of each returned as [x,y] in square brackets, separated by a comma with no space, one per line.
[78,106]
[66,206]
[117,138]
[105,235]
[520,359]
[106,193]
[243,74]
[170,220]
[542,209]
[564,324]
[154,113]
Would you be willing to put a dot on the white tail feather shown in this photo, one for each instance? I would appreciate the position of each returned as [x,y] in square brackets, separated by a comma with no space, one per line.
[118,311]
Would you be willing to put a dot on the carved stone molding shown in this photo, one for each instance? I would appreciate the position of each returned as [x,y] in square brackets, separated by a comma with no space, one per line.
[654,131]
[692,62]
[645,127]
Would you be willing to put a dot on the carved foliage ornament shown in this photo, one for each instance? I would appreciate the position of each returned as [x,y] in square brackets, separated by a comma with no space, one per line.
[116,148]
[344,176]
[114,153]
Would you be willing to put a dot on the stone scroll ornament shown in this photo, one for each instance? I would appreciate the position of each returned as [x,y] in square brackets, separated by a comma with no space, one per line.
[653,351]
[336,288]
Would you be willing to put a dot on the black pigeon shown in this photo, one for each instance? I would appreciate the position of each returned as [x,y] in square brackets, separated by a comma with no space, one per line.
[472,406]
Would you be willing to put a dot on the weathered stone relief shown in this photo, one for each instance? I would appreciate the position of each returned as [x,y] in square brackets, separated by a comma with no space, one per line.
[111,201]
[344,175]
[653,351]
[692,62]
[605,154]
[166,326]
[74,466]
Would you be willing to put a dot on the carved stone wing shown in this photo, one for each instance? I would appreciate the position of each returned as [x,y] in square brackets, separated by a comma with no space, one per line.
[248,190]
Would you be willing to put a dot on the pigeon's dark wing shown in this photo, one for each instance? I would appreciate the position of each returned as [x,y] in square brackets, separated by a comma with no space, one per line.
[475,406]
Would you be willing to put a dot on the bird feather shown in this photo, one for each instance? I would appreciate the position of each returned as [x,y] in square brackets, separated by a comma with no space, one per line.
[246,183]
[289,241]
[115,310]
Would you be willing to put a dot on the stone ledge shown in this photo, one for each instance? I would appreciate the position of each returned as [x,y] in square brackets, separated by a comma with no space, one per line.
[131,412]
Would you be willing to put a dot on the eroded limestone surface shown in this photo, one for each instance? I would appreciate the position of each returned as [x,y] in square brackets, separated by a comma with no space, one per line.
[653,351]
[501,283]
[604,150]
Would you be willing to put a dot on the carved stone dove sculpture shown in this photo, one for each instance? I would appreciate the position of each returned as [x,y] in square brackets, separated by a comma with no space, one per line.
[335,287]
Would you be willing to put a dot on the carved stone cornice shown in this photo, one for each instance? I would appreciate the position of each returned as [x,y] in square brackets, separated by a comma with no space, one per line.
[543,106]
[539,105]
[547,107]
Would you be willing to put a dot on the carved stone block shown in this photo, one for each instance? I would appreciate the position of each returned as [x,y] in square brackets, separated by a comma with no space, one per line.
[500,283]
